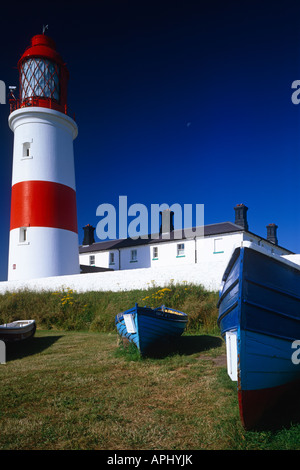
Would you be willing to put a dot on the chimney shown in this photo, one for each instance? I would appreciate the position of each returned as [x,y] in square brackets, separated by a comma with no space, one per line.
[88,238]
[167,221]
[241,216]
[272,233]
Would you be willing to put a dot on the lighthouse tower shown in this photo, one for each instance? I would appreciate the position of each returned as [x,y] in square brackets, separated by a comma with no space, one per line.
[43,228]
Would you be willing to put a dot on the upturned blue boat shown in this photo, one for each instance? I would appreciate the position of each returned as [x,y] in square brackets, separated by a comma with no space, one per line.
[147,327]
[259,318]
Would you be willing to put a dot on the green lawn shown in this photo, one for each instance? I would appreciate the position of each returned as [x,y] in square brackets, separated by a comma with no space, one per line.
[77,390]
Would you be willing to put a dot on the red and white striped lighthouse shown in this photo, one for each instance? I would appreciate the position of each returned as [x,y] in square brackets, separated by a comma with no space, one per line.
[43,227]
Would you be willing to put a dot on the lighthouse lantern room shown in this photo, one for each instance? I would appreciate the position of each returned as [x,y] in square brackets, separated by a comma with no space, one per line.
[43,227]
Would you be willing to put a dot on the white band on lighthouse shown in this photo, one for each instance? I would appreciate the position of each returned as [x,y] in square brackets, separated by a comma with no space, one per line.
[43,145]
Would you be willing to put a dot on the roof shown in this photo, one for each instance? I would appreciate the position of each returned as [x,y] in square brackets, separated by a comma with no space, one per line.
[92,269]
[209,230]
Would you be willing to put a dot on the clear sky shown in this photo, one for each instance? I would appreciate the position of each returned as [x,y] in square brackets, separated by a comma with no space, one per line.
[176,102]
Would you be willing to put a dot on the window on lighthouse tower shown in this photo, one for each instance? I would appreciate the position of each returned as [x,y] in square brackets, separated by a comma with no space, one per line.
[23,235]
[26,150]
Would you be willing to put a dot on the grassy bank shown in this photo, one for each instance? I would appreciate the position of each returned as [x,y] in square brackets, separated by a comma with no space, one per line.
[95,311]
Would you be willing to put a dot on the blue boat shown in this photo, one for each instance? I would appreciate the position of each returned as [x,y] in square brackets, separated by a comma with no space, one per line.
[259,318]
[148,328]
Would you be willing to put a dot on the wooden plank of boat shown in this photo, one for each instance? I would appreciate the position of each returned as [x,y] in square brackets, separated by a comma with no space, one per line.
[259,318]
[17,330]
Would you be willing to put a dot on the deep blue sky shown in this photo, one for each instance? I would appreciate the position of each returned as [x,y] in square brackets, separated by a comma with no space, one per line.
[176,102]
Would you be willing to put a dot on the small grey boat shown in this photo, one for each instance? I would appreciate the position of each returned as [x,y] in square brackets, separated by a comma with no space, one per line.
[17,330]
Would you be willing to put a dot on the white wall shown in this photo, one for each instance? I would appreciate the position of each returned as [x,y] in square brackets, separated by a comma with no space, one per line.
[217,248]
[102,259]
[207,272]
[167,256]
[142,260]
[208,275]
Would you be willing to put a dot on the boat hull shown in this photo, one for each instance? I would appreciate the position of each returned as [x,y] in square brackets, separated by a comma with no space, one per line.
[17,331]
[260,306]
[149,327]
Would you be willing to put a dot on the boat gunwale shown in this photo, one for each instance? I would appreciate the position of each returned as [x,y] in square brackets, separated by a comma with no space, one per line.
[235,254]
[6,327]
[179,317]
[226,292]
[226,312]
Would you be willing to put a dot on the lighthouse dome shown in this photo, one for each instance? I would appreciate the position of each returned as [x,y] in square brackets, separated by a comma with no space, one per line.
[43,75]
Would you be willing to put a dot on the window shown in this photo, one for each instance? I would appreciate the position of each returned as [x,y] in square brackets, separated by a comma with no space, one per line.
[111,258]
[218,245]
[23,235]
[155,252]
[26,150]
[92,260]
[133,256]
[180,249]
[39,77]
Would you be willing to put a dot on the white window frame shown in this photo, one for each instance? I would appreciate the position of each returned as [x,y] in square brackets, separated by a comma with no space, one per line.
[23,236]
[180,250]
[133,256]
[92,260]
[26,150]
[217,242]
[155,252]
[111,258]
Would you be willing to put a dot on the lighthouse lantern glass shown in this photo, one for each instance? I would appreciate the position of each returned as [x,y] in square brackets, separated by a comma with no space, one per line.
[39,78]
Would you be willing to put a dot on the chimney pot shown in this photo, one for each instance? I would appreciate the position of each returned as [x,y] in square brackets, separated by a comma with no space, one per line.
[88,238]
[241,216]
[272,233]
[167,221]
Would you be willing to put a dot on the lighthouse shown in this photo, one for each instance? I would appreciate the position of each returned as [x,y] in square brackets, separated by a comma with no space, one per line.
[43,226]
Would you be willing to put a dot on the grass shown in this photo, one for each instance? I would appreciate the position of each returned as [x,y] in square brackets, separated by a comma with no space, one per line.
[77,390]
[95,311]
[67,390]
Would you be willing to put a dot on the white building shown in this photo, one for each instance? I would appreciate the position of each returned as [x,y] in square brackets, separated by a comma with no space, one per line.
[210,251]
[120,265]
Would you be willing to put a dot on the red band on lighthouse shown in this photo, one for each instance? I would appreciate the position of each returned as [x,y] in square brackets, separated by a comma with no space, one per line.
[43,204]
